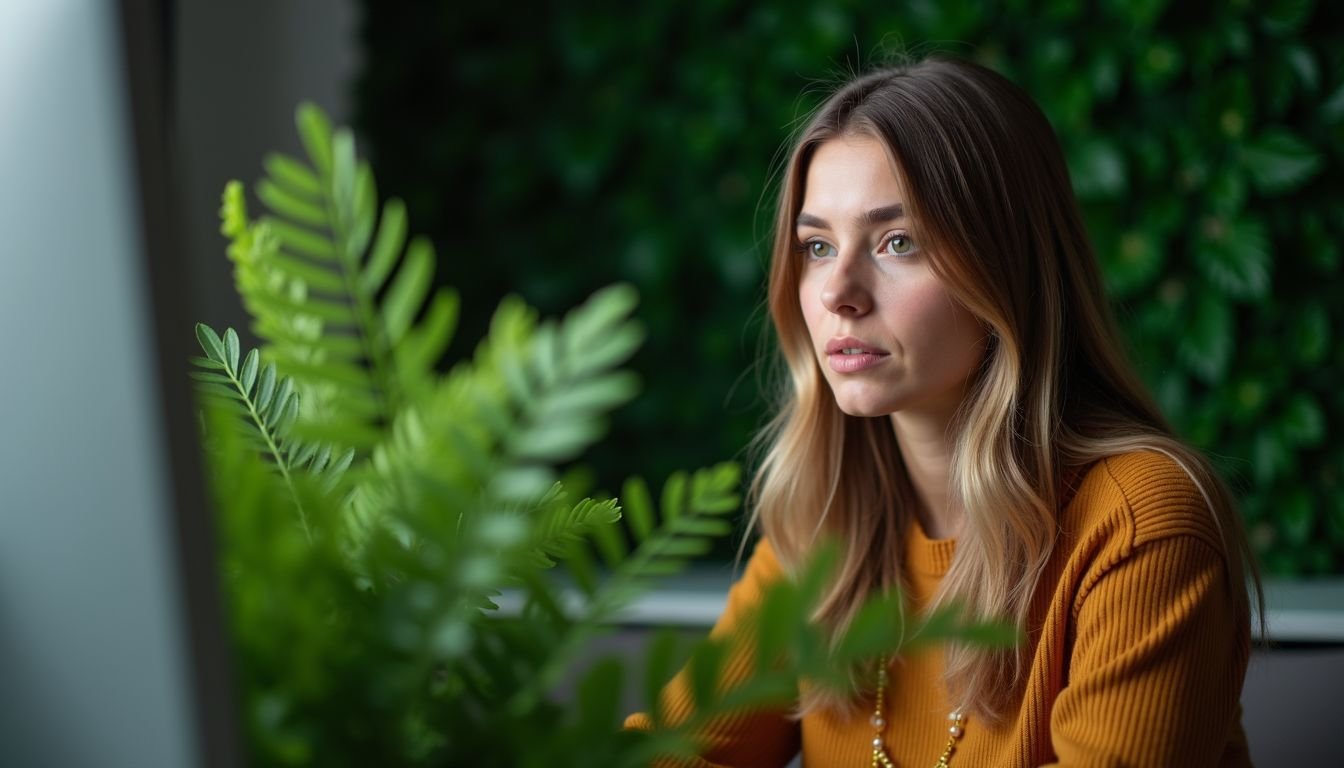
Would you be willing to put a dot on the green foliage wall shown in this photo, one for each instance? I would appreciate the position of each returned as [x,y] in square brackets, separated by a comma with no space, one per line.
[553,149]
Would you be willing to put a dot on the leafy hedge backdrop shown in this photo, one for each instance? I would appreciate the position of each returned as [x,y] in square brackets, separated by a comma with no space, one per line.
[549,150]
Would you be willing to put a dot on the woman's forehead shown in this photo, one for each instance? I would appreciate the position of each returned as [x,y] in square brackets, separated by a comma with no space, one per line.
[849,176]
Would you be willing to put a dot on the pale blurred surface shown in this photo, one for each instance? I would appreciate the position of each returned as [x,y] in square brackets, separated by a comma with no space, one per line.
[91,644]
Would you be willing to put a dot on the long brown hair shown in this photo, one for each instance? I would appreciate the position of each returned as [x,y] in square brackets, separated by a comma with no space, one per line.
[991,197]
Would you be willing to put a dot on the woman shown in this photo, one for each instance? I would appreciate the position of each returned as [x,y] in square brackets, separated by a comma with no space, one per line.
[960,414]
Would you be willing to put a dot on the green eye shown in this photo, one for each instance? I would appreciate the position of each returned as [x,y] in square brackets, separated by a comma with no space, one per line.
[899,245]
[818,250]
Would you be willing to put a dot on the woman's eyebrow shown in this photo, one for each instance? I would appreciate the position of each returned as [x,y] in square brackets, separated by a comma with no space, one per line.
[883,215]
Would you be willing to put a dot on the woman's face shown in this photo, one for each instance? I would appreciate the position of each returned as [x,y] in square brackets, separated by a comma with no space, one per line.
[888,335]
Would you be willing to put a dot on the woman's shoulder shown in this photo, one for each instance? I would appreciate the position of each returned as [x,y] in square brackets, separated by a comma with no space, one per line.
[1150,495]
[762,566]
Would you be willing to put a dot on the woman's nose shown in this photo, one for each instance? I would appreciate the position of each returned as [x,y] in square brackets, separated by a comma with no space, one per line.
[845,291]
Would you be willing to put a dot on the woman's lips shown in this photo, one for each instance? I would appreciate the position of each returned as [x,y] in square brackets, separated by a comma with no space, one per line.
[842,363]
[867,355]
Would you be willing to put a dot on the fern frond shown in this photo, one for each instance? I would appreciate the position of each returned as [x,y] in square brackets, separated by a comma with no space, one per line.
[699,502]
[335,289]
[265,412]
[452,471]
[534,400]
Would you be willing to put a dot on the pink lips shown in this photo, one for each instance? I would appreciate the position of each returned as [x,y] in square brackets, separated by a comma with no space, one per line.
[840,362]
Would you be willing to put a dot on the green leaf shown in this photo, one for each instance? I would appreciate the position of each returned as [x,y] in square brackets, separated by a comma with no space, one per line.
[1235,257]
[364,214]
[342,462]
[522,484]
[339,429]
[1303,420]
[1333,108]
[610,545]
[1269,457]
[638,507]
[1303,63]
[1135,262]
[278,400]
[1098,170]
[608,350]
[1206,345]
[319,461]
[328,372]
[210,342]
[205,362]
[580,565]
[329,311]
[878,627]
[344,169]
[288,415]
[315,132]
[1283,17]
[313,275]
[684,548]
[233,221]
[231,350]
[1278,161]
[660,661]
[715,490]
[266,387]
[293,175]
[698,526]
[213,378]
[598,394]
[1227,191]
[705,665]
[249,373]
[300,240]
[424,345]
[587,325]
[387,247]
[556,440]
[281,201]
[674,496]
[282,407]
[302,453]
[776,623]
[600,697]
[407,293]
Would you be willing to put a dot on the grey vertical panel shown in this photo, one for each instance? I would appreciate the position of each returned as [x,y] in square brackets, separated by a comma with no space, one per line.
[91,646]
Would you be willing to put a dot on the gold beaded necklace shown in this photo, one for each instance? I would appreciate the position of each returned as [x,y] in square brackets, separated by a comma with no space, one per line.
[880,757]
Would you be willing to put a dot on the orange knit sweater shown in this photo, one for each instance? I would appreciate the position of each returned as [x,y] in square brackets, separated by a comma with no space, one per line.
[1138,648]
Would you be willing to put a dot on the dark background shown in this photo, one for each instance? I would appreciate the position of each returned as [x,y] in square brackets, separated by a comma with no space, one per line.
[551,149]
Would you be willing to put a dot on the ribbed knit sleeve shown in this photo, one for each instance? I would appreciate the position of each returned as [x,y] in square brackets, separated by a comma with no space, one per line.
[750,739]
[1159,652]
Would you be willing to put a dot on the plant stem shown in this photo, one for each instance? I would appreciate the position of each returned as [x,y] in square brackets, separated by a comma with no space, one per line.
[275,452]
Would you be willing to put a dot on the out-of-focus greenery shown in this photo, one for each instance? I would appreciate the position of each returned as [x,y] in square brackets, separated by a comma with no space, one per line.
[372,511]
[555,148]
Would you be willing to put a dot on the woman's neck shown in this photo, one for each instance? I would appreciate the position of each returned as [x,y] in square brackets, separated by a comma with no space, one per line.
[926,450]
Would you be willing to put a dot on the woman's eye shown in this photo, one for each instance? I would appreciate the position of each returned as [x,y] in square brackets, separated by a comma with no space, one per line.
[898,245]
[818,250]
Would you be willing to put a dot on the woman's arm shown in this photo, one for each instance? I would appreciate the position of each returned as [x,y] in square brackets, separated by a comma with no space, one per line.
[758,738]
[1159,656]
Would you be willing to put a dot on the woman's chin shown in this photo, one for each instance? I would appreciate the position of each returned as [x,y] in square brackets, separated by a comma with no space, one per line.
[863,408]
